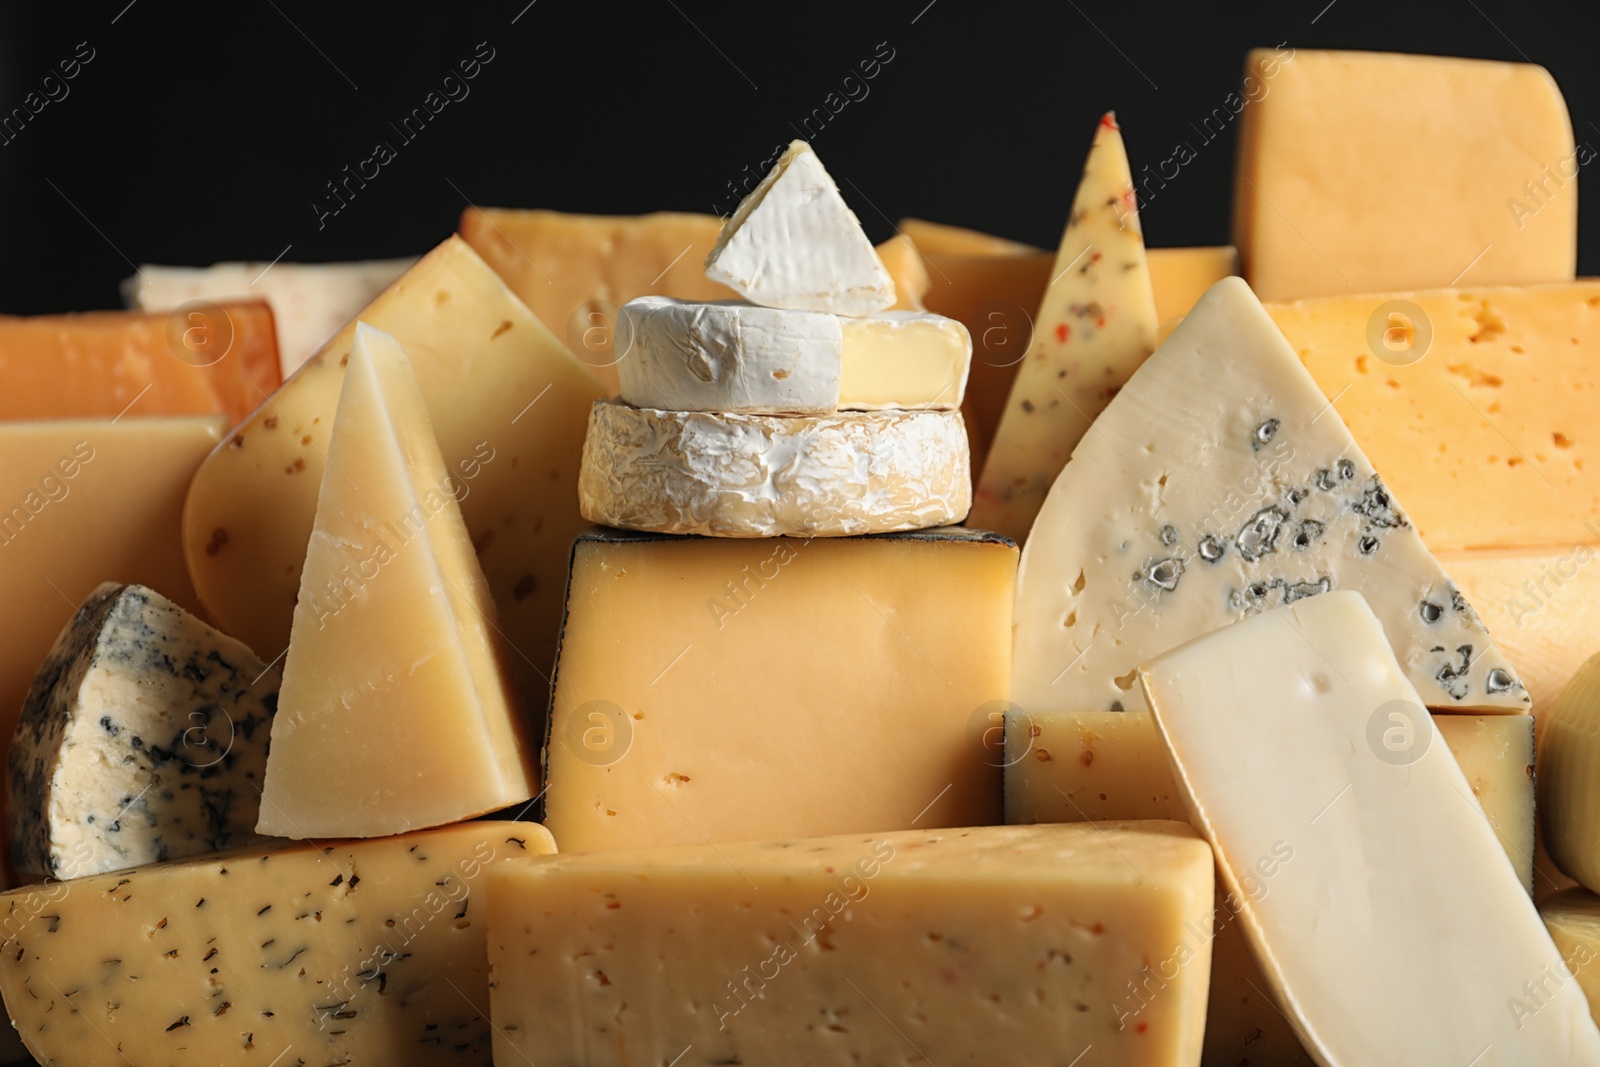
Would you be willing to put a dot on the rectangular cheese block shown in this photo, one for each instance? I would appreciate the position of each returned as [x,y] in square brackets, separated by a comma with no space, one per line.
[221,358]
[903,359]
[333,953]
[1360,172]
[705,683]
[1029,946]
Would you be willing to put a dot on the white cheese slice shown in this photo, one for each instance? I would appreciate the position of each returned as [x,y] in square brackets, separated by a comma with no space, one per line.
[904,359]
[773,476]
[794,243]
[1218,483]
[1378,900]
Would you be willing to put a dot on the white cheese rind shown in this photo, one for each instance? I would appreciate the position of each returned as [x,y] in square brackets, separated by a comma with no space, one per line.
[794,243]
[770,476]
[726,355]
[1218,483]
[904,359]
[1376,896]
[143,739]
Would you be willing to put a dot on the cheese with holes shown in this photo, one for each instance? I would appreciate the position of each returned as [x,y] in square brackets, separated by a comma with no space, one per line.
[794,243]
[1573,919]
[670,642]
[143,739]
[310,301]
[509,405]
[1569,770]
[341,952]
[1097,323]
[1475,404]
[773,476]
[880,949]
[904,359]
[1373,891]
[1338,187]
[221,359]
[397,710]
[1220,483]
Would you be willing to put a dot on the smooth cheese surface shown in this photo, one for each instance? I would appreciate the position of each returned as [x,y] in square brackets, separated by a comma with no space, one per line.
[103,364]
[1569,776]
[1096,324]
[340,952]
[509,405]
[397,711]
[943,239]
[1573,919]
[904,359]
[1219,484]
[771,475]
[1391,925]
[672,644]
[908,269]
[1361,172]
[1030,943]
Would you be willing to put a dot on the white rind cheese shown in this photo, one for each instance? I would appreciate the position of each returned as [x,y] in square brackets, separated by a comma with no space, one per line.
[1220,483]
[904,359]
[726,355]
[794,243]
[769,476]
[143,739]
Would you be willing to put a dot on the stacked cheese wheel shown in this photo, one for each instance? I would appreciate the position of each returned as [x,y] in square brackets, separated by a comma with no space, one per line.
[805,409]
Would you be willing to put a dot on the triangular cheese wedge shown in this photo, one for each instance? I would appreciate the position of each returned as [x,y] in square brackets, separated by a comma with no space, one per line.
[795,243]
[396,712]
[1220,483]
[1097,323]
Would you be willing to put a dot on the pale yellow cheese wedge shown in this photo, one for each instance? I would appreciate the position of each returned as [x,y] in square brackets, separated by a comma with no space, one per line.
[1569,776]
[1573,919]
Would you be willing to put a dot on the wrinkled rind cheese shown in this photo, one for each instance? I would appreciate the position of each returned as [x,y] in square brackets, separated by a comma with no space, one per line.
[771,476]
[369,952]
[143,739]
[1218,484]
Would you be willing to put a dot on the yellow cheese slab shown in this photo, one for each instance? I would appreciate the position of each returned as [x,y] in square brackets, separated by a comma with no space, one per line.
[360,952]
[1360,172]
[510,406]
[1573,919]
[942,239]
[1028,946]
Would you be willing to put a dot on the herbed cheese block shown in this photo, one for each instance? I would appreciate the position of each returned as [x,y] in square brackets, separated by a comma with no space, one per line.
[1389,922]
[1573,919]
[1035,946]
[794,243]
[1218,484]
[143,739]
[704,685]
[397,710]
[1361,172]
[310,301]
[1096,324]
[104,364]
[509,405]
[773,476]
[359,952]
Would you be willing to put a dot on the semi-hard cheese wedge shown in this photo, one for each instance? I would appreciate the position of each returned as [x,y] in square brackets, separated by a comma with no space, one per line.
[943,239]
[143,739]
[773,476]
[1573,919]
[704,684]
[310,301]
[1096,324]
[397,710]
[216,359]
[339,952]
[1031,946]
[509,405]
[794,243]
[908,269]
[1341,184]
[1390,924]
[904,359]
[1218,484]
[1569,776]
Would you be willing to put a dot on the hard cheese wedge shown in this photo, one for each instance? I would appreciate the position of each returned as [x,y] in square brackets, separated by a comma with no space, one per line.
[952,945]
[704,683]
[1389,922]
[143,739]
[1097,323]
[509,406]
[942,239]
[397,710]
[1573,919]
[350,952]
[1569,770]
[1340,185]
[1220,483]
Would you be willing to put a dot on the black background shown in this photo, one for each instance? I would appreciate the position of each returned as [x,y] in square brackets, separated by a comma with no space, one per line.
[206,131]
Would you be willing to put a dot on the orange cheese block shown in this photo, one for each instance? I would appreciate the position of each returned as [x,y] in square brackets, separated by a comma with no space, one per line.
[942,239]
[198,360]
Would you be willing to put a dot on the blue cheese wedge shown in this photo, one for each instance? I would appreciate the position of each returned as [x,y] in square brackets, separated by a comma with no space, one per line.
[143,739]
